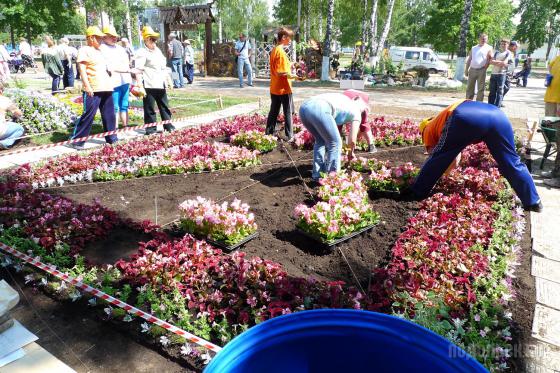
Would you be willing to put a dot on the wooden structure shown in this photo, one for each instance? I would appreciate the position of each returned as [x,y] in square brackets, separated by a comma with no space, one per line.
[188,17]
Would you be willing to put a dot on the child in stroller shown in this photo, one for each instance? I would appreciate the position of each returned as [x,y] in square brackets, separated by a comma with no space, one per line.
[523,74]
[16,64]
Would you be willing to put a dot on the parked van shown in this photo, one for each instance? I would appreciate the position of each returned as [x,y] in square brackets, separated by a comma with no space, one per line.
[416,56]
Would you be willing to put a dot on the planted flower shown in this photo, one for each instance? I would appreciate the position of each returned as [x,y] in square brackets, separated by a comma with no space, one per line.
[227,223]
[255,140]
[392,179]
[344,208]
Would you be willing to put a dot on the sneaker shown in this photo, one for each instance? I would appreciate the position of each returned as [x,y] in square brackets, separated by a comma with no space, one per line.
[76,146]
[549,174]
[372,149]
[537,207]
[554,182]
[169,127]
[250,85]
[150,131]
[240,86]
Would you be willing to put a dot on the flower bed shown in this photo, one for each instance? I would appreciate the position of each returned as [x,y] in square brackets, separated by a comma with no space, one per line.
[392,179]
[254,140]
[41,113]
[344,208]
[78,167]
[225,223]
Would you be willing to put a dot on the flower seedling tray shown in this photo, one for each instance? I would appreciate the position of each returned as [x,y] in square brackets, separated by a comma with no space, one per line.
[230,248]
[334,243]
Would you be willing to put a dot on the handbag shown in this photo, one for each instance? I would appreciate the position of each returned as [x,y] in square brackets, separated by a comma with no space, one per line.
[243,47]
[548,80]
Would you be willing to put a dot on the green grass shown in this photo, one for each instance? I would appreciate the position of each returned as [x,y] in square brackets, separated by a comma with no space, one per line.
[176,99]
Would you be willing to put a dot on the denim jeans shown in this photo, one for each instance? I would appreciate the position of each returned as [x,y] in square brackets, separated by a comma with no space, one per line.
[496,95]
[177,68]
[55,82]
[242,62]
[317,117]
[13,131]
[68,77]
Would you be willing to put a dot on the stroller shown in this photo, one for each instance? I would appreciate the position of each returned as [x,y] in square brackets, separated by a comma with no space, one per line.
[16,64]
[28,61]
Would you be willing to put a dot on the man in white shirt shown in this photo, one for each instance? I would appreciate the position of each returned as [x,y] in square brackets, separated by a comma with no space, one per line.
[188,59]
[65,55]
[25,48]
[500,63]
[243,52]
[477,63]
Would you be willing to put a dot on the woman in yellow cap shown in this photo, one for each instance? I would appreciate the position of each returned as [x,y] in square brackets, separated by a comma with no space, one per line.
[152,72]
[97,88]
[470,122]
[120,73]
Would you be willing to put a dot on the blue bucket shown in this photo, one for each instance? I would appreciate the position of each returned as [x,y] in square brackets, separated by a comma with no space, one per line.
[336,341]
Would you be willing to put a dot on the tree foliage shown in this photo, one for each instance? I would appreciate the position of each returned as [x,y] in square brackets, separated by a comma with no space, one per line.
[539,23]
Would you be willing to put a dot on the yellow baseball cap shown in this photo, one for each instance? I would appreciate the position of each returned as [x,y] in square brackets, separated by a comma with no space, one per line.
[94,31]
[147,32]
[423,124]
[110,30]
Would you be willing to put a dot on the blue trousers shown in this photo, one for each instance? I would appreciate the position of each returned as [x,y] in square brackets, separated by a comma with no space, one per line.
[68,77]
[244,63]
[496,95]
[470,123]
[104,102]
[177,68]
[188,72]
[317,118]
[13,131]
[55,82]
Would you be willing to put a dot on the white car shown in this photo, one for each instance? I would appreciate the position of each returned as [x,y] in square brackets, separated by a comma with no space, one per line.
[417,56]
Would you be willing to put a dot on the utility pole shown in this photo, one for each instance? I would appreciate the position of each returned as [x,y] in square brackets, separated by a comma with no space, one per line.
[298,20]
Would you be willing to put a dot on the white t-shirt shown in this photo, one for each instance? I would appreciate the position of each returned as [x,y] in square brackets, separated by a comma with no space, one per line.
[117,60]
[244,51]
[25,48]
[153,65]
[505,56]
[479,55]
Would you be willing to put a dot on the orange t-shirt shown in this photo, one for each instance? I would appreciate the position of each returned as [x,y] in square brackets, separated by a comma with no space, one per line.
[279,63]
[433,129]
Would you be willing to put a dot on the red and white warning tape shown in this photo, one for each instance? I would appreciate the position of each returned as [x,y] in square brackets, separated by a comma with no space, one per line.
[114,301]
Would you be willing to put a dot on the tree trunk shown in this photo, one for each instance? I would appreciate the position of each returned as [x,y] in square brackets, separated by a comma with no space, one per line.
[373,33]
[12,37]
[365,31]
[327,45]
[127,22]
[386,27]
[462,53]
[551,37]
[220,29]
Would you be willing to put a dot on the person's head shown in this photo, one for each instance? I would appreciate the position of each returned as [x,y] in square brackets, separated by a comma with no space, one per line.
[504,44]
[482,39]
[22,40]
[241,36]
[513,45]
[110,35]
[285,35]
[186,43]
[150,37]
[361,99]
[64,41]
[172,36]
[124,42]
[49,41]
[94,36]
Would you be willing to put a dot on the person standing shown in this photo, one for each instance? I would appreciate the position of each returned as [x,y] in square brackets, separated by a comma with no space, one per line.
[526,70]
[65,55]
[470,122]
[119,67]
[512,47]
[9,131]
[280,84]
[243,52]
[97,89]
[188,58]
[4,67]
[321,115]
[151,67]
[500,65]
[126,45]
[552,109]
[477,63]
[52,64]
[26,52]
[175,54]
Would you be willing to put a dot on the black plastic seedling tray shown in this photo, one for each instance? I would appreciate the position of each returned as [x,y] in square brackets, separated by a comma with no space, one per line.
[230,248]
[333,244]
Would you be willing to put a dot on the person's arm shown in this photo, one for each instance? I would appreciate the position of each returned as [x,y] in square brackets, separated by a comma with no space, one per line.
[58,62]
[468,63]
[454,164]
[237,53]
[14,110]
[353,138]
[85,80]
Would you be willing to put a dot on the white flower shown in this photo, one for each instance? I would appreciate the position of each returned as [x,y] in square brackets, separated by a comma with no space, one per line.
[108,310]
[29,278]
[75,296]
[92,301]
[186,349]
[206,358]
[145,327]
[62,286]
[127,318]
[44,281]
[164,340]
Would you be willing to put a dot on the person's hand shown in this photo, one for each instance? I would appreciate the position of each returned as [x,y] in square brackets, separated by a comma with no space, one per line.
[17,113]
[88,90]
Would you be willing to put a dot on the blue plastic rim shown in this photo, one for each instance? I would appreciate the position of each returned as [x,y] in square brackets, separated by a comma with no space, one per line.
[335,340]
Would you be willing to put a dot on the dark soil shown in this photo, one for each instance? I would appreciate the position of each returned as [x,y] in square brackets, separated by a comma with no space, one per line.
[524,305]
[272,190]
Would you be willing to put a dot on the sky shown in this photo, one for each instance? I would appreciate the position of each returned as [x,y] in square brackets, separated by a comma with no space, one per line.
[270,4]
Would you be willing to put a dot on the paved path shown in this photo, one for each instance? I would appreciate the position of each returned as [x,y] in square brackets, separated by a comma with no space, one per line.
[545,346]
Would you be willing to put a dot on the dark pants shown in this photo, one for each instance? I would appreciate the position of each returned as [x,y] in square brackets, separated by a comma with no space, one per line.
[68,77]
[159,97]
[55,82]
[275,102]
[496,94]
[104,102]
[507,86]
[188,70]
[525,75]
[177,68]
[470,123]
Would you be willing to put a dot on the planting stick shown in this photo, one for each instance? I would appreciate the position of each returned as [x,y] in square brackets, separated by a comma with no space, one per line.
[50,269]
